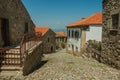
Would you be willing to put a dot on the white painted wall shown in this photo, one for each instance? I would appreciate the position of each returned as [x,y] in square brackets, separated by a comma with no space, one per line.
[94,33]
[73,41]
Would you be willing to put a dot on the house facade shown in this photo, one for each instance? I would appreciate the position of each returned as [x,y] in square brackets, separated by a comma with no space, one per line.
[14,22]
[81,31]
[18,45]
[111,33]
[48,39]
[61,39]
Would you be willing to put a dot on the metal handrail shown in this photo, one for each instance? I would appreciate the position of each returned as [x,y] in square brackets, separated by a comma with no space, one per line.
[28,41]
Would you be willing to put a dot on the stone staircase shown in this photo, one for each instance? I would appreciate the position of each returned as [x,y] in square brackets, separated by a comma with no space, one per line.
[10,58]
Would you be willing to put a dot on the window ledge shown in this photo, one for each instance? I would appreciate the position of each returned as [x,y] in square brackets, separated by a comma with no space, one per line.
[114,29]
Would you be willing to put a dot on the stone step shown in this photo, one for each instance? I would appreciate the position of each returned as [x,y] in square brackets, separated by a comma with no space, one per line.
[11,68]
[13,51]
[11,62]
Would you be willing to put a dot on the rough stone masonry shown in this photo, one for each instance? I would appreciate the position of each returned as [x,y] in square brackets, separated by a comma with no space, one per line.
[111,33]
[13,19]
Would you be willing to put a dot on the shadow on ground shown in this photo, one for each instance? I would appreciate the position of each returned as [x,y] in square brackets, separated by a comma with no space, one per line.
[37,67]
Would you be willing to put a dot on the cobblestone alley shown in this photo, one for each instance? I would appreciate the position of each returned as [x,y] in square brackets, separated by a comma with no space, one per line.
[63,66]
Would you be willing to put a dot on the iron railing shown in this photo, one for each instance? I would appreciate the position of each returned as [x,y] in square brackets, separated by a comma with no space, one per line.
[14,56]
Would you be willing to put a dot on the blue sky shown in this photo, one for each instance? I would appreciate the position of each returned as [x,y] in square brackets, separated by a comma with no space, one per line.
[56,14]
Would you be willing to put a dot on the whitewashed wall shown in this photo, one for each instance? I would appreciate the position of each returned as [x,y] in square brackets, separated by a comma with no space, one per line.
[73,41]
[94,33]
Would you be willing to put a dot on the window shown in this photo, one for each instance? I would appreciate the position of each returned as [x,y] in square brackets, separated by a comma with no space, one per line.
[72,33]
[115,21]
[69,33]
[76,34]
[26,27]
[48,39]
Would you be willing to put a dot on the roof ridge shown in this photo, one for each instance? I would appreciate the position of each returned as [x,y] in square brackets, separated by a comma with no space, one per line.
[43,30]
[93,19]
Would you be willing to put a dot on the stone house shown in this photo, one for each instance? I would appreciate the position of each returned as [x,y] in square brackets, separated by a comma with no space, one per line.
[111,33]
[61,39]
[48,39]
[17,38]
[14,22]
[81,31]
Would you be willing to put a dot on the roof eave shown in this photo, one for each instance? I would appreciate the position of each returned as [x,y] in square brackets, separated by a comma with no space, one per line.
[83,25]
[76,26]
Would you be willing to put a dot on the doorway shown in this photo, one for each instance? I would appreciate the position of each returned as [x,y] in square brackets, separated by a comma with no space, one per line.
[72,49]
[83,38]
[5,31]
[52,49]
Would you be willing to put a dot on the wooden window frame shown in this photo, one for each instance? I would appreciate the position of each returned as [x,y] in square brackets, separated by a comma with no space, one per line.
[115,21]
[72,33]
[76,34]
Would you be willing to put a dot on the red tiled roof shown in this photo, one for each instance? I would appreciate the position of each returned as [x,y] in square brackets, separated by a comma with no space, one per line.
[43,30]
[93,19]
[61,34]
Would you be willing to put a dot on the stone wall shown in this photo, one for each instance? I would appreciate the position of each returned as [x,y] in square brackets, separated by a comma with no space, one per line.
[110,43]
[93,50]
[49,45]
[61,42]
[32,58]
[16,14]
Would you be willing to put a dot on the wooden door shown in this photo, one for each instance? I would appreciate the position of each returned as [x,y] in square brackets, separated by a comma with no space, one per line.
[5,31]
[73,49]
[83,39]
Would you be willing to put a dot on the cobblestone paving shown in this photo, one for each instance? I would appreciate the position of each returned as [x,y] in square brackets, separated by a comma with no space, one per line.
[63,66]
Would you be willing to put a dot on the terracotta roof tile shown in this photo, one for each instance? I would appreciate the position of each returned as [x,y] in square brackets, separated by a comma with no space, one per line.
[61,34]
[43,30]
[93,19]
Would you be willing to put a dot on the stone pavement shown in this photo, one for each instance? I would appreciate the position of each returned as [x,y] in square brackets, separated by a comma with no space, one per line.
[64,66]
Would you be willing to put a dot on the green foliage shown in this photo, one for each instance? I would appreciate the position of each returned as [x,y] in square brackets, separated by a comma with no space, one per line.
[63,45]
[95,44]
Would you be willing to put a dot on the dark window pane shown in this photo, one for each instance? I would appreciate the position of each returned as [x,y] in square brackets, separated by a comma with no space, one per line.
[115,20]
[26,27]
